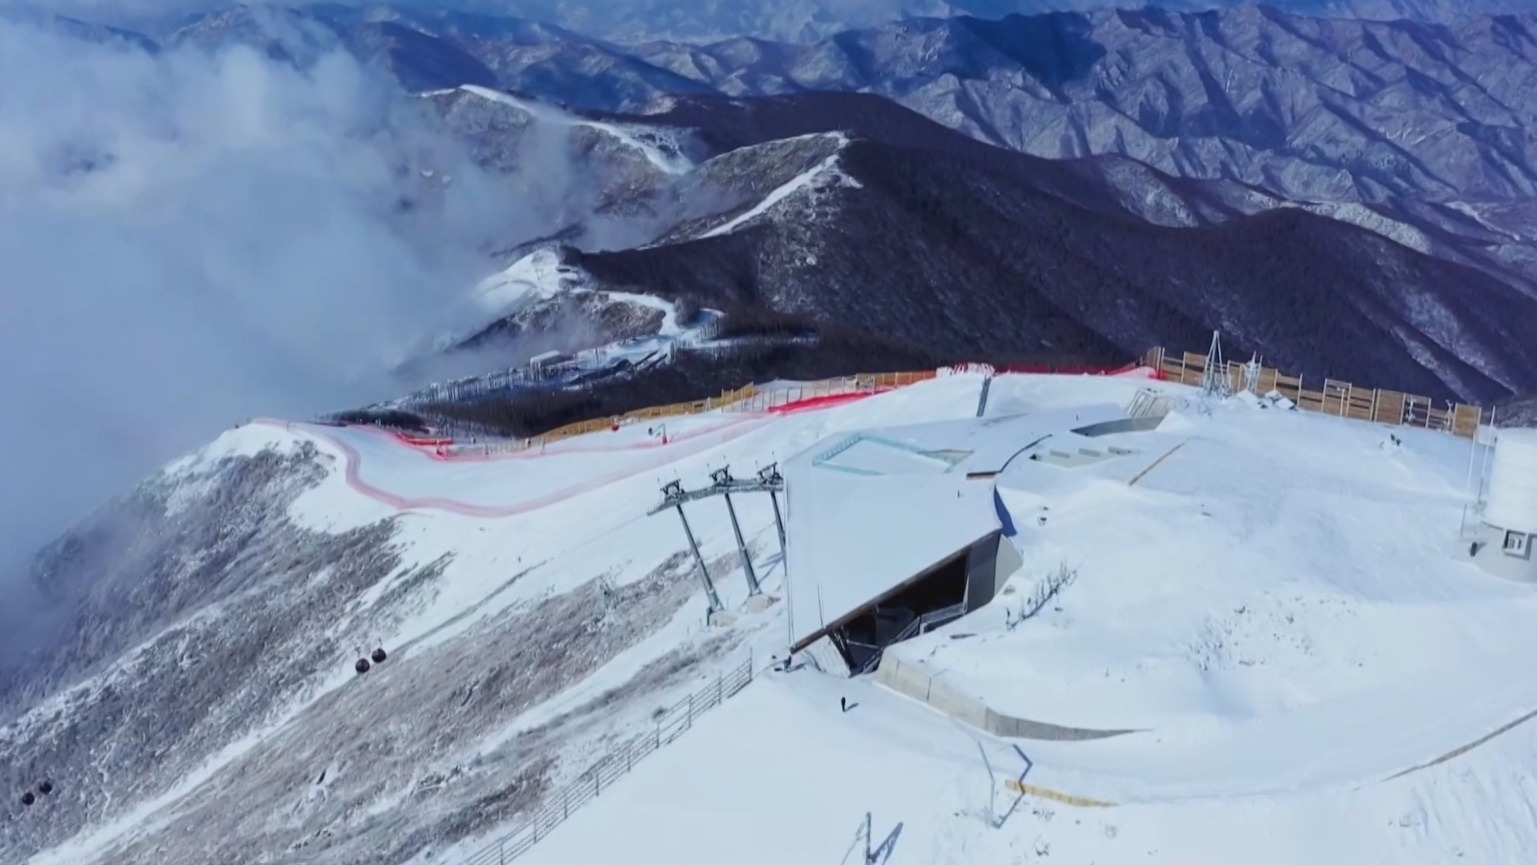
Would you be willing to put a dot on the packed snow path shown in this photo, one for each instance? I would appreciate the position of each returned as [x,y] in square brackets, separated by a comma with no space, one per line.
[378,465]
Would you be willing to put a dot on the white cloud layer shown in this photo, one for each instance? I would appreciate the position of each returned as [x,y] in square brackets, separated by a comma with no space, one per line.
[190,239]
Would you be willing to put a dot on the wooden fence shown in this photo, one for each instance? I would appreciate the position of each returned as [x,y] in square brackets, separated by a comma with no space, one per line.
[1330,396]
[874,382]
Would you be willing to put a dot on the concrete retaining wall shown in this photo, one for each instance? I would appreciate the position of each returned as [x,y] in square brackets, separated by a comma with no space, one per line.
[916,682]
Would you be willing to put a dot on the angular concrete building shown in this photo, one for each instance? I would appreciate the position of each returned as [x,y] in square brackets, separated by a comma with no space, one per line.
[893,532]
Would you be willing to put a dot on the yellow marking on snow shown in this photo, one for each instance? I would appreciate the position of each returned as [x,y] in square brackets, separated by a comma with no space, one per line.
[1056,796]
[1143,473]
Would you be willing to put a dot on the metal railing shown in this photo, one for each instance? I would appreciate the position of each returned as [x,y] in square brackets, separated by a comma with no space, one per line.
[1150,403]
[617,763]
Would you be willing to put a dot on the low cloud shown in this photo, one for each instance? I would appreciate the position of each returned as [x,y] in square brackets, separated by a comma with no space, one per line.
[193,238]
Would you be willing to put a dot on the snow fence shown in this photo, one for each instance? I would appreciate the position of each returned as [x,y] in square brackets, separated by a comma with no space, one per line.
[560,805]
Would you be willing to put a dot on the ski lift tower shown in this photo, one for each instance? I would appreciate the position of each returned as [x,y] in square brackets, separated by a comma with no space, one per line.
[722,484]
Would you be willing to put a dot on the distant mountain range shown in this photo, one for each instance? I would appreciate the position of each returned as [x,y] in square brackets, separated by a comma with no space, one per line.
[1349,198]
[1429,126]
[636,21]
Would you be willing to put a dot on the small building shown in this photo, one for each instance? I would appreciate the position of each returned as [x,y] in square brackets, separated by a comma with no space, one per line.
[1508,536]
[892,533]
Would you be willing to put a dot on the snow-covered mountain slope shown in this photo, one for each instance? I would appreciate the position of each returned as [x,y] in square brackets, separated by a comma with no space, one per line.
[818,176]
[1316,109]
[233,592]
[1311,110]
[618,172]
[1281,596]
[662,154]
[538,304]
[1326,109]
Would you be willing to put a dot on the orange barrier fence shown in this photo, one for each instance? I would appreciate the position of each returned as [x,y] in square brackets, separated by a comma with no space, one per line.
[1331,396]
[743,399]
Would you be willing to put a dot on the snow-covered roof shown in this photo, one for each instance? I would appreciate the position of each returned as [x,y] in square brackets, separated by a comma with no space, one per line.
[868,511]
[851,539]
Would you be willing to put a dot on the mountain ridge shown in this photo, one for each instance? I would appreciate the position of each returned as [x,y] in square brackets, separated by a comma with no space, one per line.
[1319,112]
[955,211]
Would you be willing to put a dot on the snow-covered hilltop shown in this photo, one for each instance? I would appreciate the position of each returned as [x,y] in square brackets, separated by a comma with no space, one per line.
[1274,607]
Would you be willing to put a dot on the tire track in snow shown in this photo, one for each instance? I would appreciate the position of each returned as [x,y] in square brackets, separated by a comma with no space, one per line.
[1463,749]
